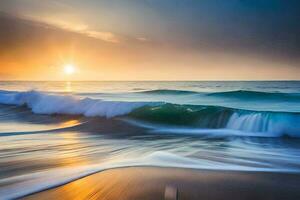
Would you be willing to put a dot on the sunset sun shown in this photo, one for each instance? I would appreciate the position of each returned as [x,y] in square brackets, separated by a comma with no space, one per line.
[69,69]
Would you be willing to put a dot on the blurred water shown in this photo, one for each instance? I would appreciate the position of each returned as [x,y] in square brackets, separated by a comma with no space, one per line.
[41,150]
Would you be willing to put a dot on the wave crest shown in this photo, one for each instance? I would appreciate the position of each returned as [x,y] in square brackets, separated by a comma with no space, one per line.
[257,95]
[194,116]
[273,124]
[236,94]
[43,103]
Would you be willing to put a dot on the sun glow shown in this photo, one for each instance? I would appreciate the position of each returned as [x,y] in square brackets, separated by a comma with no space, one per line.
[69,69]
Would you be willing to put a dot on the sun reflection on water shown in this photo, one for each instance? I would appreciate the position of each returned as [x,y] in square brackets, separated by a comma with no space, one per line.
[70,123]
[68,86]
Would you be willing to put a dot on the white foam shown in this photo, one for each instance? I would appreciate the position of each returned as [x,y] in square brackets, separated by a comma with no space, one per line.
[214,133]
[257,124]
[38,181]
[43,103]
[271,124]
[209,133]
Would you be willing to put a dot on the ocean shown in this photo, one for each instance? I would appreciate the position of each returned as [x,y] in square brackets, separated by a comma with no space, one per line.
[55,132]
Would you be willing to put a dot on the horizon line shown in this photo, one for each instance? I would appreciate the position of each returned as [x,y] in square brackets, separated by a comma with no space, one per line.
[266,80]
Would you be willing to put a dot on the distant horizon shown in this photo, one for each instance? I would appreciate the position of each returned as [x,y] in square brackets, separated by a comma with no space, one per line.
[172,93]
[270,80]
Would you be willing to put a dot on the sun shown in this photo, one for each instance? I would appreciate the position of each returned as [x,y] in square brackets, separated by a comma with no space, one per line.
[69,69]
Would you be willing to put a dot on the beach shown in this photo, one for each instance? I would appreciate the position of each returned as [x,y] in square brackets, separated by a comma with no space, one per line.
[114,140]
[150,99]
[173,183]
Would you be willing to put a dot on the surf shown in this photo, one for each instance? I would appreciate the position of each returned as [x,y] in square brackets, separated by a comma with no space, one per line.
[269,123]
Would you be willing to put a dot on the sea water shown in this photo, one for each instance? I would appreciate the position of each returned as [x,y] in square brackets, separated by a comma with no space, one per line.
[55,132]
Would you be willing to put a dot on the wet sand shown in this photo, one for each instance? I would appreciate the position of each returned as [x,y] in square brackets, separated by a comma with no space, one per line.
[152,183]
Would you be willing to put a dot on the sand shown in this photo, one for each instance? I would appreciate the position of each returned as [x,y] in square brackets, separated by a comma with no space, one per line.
[139,183]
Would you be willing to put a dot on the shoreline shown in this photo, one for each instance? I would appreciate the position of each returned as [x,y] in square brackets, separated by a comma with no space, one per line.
[166,183]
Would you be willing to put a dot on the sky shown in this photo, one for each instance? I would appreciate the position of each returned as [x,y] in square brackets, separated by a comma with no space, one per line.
[150,39]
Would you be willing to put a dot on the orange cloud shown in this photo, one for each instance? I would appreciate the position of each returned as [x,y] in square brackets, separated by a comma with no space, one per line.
[105,36]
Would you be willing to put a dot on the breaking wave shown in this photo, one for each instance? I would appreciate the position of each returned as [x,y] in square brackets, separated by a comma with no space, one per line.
[271,124]
[267,123]
[44,103]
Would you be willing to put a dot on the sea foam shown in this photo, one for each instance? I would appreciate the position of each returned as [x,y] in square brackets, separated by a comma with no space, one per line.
[44,103]
[47,179]
[191,119]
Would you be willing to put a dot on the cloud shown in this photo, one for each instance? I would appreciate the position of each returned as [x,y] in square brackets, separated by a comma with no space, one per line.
[75,27]
[105,36]
[84,29]
[142,39]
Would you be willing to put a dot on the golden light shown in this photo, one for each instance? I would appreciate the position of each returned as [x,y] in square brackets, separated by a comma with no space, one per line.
[69,69]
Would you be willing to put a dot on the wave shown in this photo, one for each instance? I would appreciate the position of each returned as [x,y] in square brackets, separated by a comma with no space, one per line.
[168,92]
[242,94]
[237,94]
[41,131]
[43,180]
[43,103]
[194,116]
[271,124]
